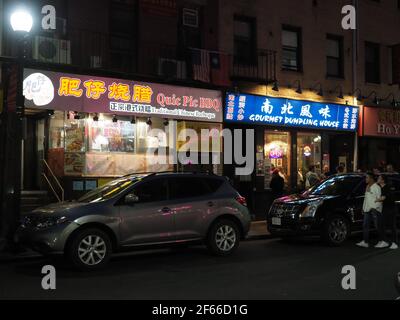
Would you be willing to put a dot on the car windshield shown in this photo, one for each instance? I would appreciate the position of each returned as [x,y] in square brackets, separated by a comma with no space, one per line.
[336,186]
[109,190]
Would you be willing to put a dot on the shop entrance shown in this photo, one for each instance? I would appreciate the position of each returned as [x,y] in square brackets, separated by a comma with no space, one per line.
[33,151]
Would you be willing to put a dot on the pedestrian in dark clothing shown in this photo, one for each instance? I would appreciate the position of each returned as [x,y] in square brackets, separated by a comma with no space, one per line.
[277,184]
[389,210]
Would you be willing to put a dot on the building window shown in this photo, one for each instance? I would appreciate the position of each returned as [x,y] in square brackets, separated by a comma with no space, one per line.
[291,49]
[372,63]
[334,56]
[308,154]
[244,41]
[277,156]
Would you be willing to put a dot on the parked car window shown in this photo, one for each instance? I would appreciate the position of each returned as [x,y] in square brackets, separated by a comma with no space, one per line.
[188,187]
[109,190]
[213,184]
[336,186]
[151,191]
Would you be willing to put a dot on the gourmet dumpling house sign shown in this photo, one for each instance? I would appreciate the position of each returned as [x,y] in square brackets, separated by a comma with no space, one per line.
[92,94]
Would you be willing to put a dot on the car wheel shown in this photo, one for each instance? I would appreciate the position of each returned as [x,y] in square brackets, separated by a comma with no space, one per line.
[336,230]
[89,249]
[223,237]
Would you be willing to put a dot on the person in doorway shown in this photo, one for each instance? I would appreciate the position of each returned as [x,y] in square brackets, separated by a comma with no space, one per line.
[340,169]
[311,177]
[388,212]
[277,184]
[326,172]
[372,208]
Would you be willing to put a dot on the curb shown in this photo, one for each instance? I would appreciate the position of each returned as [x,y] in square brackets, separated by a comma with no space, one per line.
[10,257]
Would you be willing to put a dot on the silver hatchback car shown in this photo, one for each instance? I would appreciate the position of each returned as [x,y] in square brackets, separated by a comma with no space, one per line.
[138,210]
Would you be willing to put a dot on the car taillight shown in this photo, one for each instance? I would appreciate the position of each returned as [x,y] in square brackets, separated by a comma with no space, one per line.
[241,200]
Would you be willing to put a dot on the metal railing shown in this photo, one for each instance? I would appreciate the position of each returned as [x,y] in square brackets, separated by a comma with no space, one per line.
[261,69]
[116,52]
[60,197]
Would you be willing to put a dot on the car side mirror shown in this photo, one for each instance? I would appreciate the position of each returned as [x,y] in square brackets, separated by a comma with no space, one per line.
[131,199]
[397,282]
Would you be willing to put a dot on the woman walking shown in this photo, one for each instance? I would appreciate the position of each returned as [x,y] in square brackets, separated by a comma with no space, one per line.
[372,210]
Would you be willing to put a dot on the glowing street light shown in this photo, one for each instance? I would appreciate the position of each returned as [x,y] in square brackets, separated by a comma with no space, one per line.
[21,20]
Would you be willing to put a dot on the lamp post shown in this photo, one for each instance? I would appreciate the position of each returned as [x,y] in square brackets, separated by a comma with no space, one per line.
[21,22]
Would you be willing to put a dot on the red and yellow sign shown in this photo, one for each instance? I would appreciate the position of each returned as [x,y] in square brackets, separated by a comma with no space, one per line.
[380,122]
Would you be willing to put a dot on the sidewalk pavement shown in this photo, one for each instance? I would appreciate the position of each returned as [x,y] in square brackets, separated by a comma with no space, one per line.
[258,230]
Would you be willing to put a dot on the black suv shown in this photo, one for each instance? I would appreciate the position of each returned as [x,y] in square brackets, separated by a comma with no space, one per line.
[331,209]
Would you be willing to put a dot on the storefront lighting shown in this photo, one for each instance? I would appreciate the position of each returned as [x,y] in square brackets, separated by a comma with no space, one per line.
[21,20]
[394,102]
[50,112]
[114,119]
[359,94]
[299,90]
[275,86]
[320,91]
[340,92]
[149,122]
[376,99]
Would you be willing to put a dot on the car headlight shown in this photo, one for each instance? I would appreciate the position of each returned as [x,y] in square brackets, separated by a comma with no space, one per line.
[50,222]
[311,209]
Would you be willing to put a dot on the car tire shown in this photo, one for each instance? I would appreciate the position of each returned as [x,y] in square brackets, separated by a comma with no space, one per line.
[89,249]
[336,230]
[223,237]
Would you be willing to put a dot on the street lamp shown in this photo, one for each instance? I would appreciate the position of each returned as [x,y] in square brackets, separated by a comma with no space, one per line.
[21,20]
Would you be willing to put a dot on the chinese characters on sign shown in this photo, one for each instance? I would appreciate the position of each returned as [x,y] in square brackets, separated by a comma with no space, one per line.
[278,111]
[52,90]
[381,122]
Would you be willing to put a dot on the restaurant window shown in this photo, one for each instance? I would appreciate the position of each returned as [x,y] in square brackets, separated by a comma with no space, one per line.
[208,134]
[277,155]
[372,62]
[291,49]
[244,41]
[308,154]
[81,146]
[334,56]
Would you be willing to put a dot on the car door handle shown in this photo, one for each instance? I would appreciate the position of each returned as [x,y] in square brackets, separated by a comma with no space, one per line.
[165,210]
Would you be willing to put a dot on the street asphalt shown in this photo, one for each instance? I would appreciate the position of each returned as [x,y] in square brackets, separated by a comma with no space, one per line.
[260,269]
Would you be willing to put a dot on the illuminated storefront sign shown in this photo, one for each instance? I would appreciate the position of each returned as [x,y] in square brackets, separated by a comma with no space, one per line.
[380,122]
[70,92]
[292,113]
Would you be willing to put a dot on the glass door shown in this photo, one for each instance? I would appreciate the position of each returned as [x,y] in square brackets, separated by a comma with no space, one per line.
[277,156]
[309,156]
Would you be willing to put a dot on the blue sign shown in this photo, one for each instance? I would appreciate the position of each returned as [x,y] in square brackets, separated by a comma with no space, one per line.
[248,108]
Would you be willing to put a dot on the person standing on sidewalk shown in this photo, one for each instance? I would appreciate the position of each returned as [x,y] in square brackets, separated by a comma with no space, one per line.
[372,210]
[389,210]
[277,184]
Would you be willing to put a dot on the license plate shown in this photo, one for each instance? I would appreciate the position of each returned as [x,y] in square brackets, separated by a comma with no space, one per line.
[276,221]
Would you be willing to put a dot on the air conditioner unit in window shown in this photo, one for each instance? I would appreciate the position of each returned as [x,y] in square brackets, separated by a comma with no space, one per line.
[190,18]
[172,68]
[95,62]
[52,50]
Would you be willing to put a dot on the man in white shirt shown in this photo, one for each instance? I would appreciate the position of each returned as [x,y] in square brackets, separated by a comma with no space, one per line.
[372,210]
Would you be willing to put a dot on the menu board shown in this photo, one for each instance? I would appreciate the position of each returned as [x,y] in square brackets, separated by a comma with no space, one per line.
[75,138]
[74,163]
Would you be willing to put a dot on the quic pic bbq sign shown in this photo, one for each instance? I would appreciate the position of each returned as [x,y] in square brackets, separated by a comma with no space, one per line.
[82,93]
